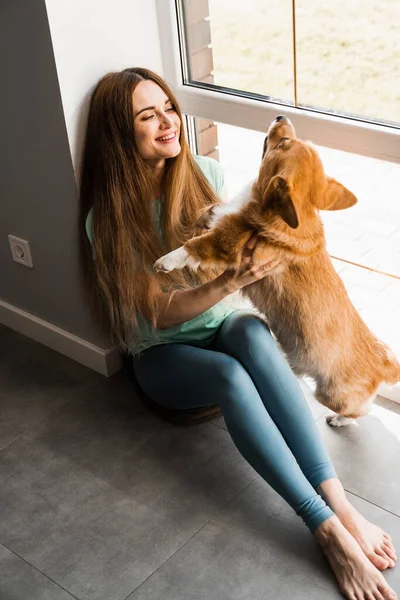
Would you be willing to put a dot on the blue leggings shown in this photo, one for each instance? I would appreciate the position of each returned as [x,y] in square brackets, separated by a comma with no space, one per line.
[264,409]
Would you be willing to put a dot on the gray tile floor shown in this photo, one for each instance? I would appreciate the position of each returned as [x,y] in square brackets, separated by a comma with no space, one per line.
[101,500]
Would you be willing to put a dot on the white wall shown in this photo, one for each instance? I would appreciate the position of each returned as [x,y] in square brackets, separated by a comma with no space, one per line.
[91,38]
[53,54]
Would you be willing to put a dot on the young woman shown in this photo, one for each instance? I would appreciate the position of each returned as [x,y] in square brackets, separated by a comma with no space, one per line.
[143,194]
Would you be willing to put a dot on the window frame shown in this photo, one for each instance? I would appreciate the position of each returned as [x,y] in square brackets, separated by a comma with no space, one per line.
[234,108]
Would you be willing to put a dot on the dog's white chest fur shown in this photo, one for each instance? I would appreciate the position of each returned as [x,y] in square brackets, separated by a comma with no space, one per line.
[233,206]
[179,258]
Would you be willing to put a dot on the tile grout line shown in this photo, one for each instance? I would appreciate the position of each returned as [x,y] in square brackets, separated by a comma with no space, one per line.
[349,491]
[323,415]
[361,497]
[39,571]
[192,536]
[373,503]
[226,431]
[219,427]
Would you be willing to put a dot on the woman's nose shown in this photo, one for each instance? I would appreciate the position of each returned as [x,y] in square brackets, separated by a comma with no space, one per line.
[166,121]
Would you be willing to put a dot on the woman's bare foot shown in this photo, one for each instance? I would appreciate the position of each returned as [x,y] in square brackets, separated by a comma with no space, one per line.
[375,543]
[356,576]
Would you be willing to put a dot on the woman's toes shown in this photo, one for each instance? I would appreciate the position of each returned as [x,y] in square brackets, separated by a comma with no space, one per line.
[388,541]
[378,595]
[392,563]
[378,559]
[389,562]
[389,551]
[386,592]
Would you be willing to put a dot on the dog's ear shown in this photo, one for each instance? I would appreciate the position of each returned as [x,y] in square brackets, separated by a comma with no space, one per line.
[277,198]
[336,197]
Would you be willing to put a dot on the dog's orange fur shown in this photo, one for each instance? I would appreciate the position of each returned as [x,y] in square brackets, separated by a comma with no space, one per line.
[303,299]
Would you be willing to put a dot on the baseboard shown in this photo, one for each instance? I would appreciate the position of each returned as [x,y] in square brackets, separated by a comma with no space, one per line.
[389,392]
[104,361]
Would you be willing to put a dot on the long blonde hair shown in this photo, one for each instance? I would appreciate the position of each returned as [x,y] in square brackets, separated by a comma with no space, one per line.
[118,185]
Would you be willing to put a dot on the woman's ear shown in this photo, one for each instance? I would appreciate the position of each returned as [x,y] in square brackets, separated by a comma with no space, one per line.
[336,197]
[277,198]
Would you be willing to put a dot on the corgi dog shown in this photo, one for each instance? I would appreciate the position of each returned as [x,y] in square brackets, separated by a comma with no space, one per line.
[303,299]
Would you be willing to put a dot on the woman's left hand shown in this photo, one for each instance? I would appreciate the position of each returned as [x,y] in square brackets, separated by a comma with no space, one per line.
[248,272]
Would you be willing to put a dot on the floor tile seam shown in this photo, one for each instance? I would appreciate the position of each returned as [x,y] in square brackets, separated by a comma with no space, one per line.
[192,536]
[38,570]
[373,503]
[219,426]
[362,497]
[347,490]
[49,415]
[223,428]
[321,416]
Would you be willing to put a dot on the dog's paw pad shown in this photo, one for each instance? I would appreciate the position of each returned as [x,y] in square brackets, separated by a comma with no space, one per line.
[338,420]
[160,267]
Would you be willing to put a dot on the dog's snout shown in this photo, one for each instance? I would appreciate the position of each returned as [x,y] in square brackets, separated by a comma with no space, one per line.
[280,118]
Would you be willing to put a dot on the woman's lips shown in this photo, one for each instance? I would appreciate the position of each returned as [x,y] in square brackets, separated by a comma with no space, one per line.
[171,137]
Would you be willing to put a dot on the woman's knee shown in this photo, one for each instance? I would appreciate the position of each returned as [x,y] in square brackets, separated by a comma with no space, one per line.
[244,330]
[230,379]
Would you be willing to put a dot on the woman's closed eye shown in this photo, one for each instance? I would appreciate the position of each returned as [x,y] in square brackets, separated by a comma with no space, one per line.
[150,116]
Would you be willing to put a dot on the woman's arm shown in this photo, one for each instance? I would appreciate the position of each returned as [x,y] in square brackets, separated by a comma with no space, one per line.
[179,306]
[182,305]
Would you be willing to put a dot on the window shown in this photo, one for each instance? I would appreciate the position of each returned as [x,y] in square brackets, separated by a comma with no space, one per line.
[338,57]
[244,62]
[236,65]
[364,242]
[348,57]
[244,46]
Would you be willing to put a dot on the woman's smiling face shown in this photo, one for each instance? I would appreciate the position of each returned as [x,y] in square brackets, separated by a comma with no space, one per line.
[156,123]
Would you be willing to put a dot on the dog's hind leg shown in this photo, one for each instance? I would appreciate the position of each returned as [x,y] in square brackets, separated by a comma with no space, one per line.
[327,395]
[349,416]
[339,420]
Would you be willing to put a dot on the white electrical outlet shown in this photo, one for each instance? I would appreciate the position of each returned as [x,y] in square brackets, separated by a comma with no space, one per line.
[20,251]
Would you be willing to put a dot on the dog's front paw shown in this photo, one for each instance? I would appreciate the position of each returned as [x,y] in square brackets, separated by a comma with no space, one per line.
[339,420]
[177,259]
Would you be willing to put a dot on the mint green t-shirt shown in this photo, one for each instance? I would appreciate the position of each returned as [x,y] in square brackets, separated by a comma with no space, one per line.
[200,330]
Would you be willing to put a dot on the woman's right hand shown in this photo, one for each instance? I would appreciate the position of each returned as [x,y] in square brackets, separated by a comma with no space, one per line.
[183,305]
[247,272]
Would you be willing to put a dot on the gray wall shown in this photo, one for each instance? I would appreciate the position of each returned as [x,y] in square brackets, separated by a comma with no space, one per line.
[38,195]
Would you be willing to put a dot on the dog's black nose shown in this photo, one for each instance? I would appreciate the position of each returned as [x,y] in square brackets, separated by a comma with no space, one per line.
[280,118]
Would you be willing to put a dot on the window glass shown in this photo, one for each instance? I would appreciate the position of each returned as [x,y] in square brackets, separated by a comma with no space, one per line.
[365,239]
[347,58]
[242,45]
